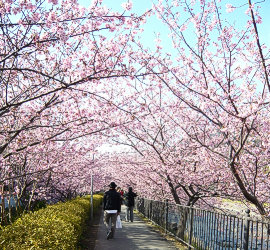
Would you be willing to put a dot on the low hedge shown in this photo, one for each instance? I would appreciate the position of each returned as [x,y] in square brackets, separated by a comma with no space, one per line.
[57,226]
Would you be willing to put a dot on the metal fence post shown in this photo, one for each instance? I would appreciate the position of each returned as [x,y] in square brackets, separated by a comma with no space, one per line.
[246,229]
[91,200]
[191,228]
[148,210]
[151,209]
[166,214]
[143,207]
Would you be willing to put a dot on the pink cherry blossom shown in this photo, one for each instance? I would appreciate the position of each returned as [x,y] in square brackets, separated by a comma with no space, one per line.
[229,8]
[127,5]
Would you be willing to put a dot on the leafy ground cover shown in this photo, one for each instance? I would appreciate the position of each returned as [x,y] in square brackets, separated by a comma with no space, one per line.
[58,226]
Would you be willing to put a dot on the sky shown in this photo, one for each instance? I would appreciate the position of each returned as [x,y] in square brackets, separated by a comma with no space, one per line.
[154,25]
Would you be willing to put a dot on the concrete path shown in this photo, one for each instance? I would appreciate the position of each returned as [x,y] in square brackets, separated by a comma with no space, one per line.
[133,235]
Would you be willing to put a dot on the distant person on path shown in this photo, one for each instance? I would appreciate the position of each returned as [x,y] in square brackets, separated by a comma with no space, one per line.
[120,191]
[129,197]
[112,208]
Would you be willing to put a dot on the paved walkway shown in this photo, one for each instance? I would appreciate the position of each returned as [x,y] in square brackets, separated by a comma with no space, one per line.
[133,235]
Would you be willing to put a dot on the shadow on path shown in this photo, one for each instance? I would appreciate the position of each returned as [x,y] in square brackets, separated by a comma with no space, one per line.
[90,232]
[133,235]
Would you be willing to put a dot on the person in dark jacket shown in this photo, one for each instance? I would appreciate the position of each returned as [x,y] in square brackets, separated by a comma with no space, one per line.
[129,197]
[112,208]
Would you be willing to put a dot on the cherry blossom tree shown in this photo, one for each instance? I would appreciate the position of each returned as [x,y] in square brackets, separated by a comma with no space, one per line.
[54,57]
[222,79]
[195,114]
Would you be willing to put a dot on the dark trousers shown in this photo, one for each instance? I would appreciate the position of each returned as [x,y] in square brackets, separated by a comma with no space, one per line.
[129,213]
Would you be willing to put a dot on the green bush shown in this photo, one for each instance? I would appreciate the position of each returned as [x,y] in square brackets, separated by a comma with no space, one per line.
[57,226]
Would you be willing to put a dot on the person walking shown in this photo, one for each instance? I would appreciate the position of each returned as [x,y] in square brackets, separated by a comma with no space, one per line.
[120,191]
[112,208]
[129,197]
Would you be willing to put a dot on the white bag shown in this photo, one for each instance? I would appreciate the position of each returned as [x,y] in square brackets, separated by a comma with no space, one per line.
[118,222]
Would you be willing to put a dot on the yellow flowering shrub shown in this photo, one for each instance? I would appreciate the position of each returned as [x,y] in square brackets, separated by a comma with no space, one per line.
[57,226]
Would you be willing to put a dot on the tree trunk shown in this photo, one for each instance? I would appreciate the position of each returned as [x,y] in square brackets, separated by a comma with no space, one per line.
[251,198]
[31,196]
[3,212]
[182,222]
[9,205]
